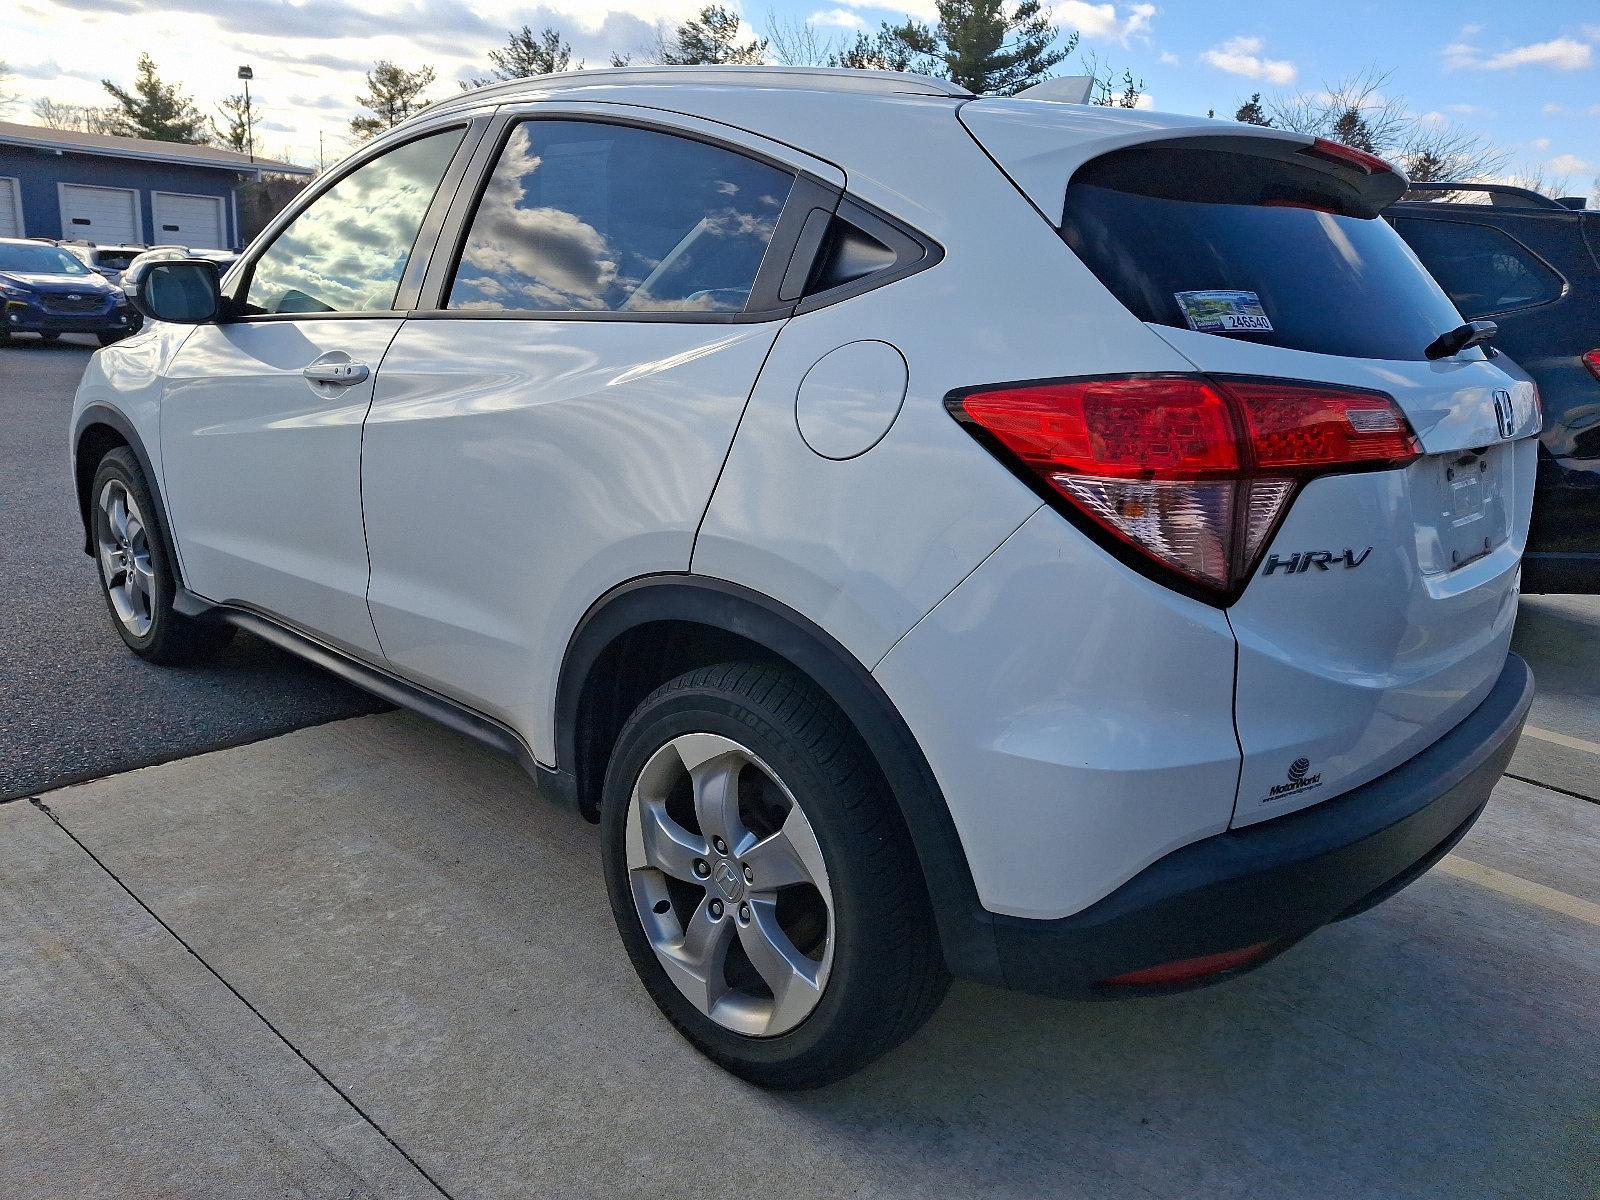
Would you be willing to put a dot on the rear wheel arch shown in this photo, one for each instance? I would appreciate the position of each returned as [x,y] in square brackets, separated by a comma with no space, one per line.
[650,630]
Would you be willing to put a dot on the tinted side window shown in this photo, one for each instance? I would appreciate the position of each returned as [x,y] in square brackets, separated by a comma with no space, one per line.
[1483,269]
[348,250]
[588,217]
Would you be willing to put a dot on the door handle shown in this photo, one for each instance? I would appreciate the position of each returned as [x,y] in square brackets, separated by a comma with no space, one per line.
[341,374]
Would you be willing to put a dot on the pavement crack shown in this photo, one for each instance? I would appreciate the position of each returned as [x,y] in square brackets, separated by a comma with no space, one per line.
[1550,787]
[256,1012]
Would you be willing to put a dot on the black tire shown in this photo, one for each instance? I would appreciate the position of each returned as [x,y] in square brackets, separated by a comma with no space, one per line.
[887,975]
[110,339]
[172,638]
[49,338]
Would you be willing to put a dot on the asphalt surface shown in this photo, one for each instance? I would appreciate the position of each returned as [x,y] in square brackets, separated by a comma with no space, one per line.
[74,703]
[368,960]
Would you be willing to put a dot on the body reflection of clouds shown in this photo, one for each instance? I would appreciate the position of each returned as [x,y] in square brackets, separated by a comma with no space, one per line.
[347,251]
[585,218]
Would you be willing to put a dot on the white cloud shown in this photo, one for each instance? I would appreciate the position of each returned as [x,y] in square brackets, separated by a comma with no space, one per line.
[1552,108]
[1570,164]
[1145,101]
[1594,110]
[1562,54]
[1465,110]
[841,17]
[1432,118]
[1169,59]
[922,9]
[1540,143]
[1098,22]
[1242,56]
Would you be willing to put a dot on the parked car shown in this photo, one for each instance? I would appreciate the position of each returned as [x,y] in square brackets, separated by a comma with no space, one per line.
[1049,556]
[1532,265]
[222,258]
[108,261]
[49,291]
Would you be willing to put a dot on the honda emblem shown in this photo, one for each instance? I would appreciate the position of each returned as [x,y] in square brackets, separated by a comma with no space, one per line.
[1505,414]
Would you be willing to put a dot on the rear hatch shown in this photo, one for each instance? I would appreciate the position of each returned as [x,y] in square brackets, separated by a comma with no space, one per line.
[1378,612]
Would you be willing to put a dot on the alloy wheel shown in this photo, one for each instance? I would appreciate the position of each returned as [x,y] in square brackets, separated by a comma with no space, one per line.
[123,544]
[729,883]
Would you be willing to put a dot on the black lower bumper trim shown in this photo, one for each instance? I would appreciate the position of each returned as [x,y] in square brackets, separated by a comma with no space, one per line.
[1277,881]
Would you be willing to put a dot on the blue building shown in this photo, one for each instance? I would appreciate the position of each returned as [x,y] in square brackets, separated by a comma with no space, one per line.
[58,183]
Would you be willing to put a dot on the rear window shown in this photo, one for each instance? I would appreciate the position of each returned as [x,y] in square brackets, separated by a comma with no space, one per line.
[1300,244]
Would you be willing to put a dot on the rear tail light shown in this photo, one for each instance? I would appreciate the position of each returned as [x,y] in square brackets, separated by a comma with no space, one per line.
[1592,361]
[1192,473]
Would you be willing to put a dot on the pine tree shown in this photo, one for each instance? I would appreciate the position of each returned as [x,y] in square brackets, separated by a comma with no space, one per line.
[975,43]
[711,38]
[527,53]
[1251,112]
[155,110]
[882,52]
[240,115]
[1352,129]
[393,94]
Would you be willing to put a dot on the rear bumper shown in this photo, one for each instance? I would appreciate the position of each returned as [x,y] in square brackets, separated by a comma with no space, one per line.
[1278,881]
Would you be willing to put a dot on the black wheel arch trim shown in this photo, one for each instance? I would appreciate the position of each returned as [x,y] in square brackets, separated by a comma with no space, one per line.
[965,928]
[104,414]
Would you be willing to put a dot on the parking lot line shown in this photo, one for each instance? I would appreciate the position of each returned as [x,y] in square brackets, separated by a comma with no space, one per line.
[1519,888]
[1562,739]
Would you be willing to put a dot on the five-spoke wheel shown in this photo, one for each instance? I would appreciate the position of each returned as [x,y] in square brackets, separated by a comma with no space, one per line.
[122,542]
[761,877]
[730,885]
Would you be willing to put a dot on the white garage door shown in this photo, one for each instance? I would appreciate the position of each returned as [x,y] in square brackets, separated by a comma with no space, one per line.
[193,221]
[105,216]
[10,209]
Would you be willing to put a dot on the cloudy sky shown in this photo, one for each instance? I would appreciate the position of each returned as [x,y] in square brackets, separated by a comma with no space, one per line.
[1527,74]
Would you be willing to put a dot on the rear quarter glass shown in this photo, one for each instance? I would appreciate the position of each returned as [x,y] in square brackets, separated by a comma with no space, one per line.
[1159,224]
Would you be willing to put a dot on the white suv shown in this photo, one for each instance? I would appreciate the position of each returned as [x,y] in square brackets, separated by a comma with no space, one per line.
[1068,548]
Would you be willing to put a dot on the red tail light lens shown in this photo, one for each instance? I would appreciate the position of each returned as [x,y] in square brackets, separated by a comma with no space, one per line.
[1592,361]
[1192,472]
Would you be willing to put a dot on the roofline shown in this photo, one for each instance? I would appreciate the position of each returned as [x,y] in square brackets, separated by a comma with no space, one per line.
[844,79]
[257,167]
[1536,199]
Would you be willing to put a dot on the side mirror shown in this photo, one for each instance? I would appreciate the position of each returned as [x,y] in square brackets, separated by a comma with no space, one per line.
[185,291]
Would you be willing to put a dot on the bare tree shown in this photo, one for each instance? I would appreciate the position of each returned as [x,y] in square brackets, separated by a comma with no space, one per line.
[83,118]
[1111,90]
[1438,151]
[7,96]
[799,43]
[1362,112]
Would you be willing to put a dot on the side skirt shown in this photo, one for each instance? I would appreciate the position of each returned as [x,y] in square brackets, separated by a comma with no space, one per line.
[451,714]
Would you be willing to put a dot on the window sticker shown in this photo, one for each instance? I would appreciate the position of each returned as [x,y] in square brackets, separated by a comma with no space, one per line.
[1224,312]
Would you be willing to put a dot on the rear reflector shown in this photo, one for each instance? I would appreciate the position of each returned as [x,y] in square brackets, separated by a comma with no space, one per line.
[1592,361]
[1188,969]
[1192,472]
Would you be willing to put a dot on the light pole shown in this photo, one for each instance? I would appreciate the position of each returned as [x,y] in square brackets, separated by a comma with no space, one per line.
[247,74]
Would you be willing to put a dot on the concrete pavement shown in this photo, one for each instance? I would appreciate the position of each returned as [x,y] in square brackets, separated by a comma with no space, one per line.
[328,963]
